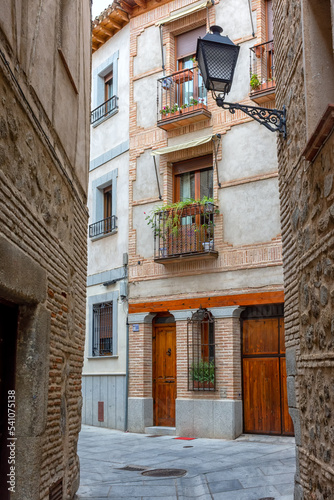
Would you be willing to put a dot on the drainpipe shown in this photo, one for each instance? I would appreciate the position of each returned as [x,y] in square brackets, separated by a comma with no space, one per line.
[127,376]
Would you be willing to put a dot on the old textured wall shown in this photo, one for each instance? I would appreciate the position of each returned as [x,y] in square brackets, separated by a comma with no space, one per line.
[44,146]
[307,218]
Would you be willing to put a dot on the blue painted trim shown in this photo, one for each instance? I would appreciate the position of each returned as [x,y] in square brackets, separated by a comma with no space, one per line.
[109,179]
[99,299]
[109,155]
[112,274]
[98,78]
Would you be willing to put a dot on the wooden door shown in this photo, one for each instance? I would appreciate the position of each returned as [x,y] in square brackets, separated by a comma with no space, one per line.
[164,374]
[264,377]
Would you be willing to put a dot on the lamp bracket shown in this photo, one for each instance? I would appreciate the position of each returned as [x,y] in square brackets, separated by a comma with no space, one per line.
[273,119]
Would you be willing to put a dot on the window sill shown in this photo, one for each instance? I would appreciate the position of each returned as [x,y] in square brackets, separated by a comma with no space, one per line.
[114,356]
[100,236]
[104,118]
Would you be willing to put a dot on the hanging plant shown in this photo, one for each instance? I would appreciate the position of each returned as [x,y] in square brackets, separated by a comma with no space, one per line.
[170,215]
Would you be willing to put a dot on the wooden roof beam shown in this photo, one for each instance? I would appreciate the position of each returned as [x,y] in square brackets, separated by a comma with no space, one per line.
[107,31]
[125,6]
[98,38]
[114,24]
[141,3]
[122,14]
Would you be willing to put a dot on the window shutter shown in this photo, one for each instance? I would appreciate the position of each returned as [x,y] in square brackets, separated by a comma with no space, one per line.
[187,42]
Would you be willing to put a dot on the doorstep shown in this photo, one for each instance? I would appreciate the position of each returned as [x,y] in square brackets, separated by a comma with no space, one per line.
[161,431]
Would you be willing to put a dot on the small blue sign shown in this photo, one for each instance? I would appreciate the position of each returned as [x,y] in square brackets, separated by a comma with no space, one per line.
[135,328]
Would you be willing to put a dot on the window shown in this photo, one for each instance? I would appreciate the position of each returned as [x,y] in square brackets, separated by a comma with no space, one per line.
[105,97]
[108,86]
[193,179]
[104,205]
[103,329]
[193,89]
[201,351]
[269,39]
[102,324]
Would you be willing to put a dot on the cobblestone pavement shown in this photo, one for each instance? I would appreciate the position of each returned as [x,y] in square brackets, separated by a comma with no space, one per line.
[249,468]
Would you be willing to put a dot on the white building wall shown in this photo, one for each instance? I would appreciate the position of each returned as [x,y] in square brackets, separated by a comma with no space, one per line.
[104,378]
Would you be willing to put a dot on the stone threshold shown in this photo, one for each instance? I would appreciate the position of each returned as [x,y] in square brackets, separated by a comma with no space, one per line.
[161,431]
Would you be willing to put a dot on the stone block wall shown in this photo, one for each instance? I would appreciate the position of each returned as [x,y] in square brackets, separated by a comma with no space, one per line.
[43,228]
[307,219]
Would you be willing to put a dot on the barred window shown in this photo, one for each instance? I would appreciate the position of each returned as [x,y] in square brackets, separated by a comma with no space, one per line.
[102,329]
[201,351]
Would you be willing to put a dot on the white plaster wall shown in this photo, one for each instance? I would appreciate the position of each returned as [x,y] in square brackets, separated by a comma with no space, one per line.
[148,51]
[107,253]
[206,283]
[240,87]
[247,149]
[115,129]
[251,212]
[196,134]
[145,238]
[117,364]
[145,185]
[233,16]
[145,96]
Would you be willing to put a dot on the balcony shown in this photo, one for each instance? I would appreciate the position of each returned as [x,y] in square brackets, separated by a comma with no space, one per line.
[103,227]
[185,234]
[182,99]
[262,73]
[108,108]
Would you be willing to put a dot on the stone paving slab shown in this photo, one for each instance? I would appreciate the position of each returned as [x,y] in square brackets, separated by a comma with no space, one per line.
[249,468]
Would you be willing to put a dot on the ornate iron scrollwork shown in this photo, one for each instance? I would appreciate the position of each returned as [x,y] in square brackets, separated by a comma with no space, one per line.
[273,119]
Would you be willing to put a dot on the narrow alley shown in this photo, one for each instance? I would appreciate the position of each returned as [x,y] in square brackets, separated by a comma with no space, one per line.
[248,468]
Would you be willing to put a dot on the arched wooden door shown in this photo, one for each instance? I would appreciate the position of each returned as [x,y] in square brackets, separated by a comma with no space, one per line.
[164,374]
[264,377]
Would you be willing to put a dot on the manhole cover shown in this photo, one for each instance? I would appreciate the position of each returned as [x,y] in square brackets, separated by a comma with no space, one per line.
[267,498]
[164,472]
[133,468]
[188,447]
[153,436]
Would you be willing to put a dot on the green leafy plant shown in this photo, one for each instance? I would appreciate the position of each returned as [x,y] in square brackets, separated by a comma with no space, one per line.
[203,371]
[254,81]
[170,214]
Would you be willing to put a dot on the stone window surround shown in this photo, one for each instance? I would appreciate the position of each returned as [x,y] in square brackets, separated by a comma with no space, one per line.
[98,185]
[98,84]
[99,299]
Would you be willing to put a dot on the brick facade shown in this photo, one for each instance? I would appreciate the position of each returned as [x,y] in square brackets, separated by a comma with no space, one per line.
[43,244]
[306,195]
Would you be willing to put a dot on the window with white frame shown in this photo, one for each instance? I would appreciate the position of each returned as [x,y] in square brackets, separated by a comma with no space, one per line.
[104,191]
[102,321]
[105,100]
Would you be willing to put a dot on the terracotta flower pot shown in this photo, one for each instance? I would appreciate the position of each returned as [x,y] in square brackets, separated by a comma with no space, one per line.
[183,76]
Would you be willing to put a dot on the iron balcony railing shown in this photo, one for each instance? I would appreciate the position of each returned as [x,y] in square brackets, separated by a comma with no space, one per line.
[104,109]
[180,93]
[262,69]
[103,226]
[188,231]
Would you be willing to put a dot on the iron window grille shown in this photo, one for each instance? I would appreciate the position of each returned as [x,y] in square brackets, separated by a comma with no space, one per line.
[201,351]
[104,109]
[102,329]
[104,226]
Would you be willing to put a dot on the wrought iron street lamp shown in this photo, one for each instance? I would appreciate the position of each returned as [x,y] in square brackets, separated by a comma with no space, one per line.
[217,58]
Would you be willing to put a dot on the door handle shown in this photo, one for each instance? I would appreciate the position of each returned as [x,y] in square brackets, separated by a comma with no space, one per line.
[169,352]
[169,381]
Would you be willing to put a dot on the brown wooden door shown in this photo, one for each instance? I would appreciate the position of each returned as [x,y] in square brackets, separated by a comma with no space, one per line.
[164,374]
[264,377]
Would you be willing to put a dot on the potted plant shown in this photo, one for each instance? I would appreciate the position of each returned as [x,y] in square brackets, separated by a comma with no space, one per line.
[203,374]
[170,215]
[255,82]
[259,50]
[185,75]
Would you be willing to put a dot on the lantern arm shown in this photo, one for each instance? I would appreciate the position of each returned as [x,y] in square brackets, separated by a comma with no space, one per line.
[273,119]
